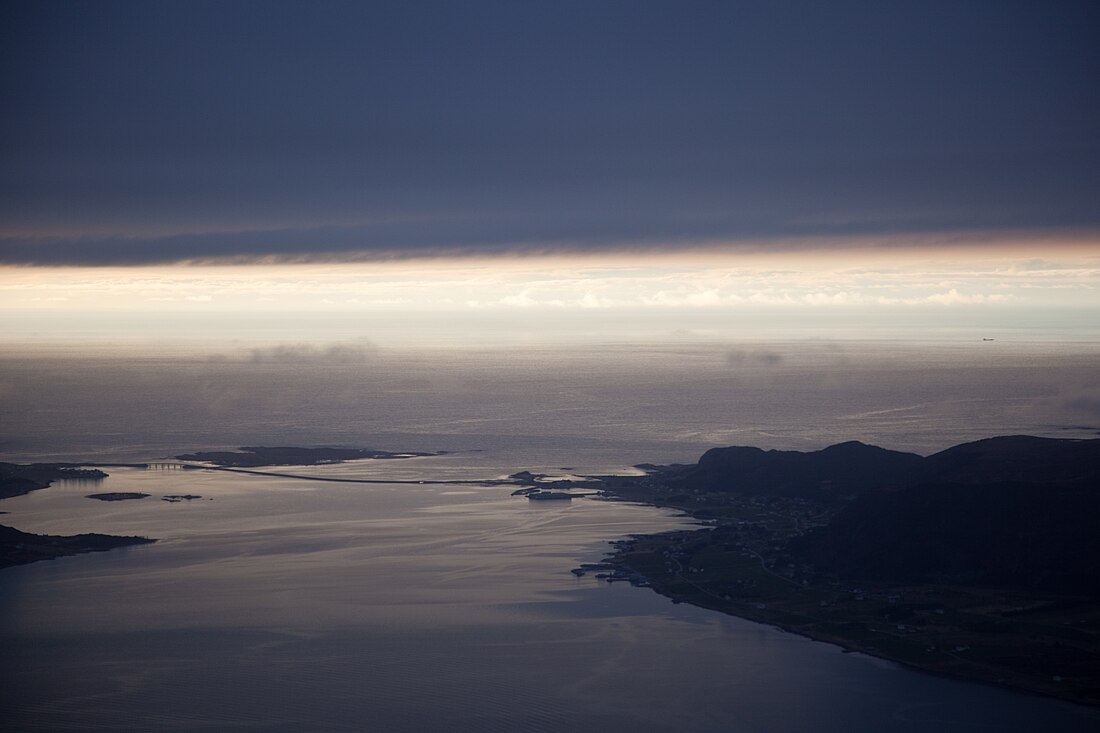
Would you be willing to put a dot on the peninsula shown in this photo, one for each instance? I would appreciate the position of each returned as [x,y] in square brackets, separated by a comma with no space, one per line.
[980,562]
[17,479]
[18,548]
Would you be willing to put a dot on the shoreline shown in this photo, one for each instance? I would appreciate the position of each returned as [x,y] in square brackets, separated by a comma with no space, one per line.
[848,646]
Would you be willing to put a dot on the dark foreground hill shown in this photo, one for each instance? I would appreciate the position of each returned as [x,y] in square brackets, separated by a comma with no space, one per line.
[1016,458]
[1009,511]
[1035,536]
[1014,511]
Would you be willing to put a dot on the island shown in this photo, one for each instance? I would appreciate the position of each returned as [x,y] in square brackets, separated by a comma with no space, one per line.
[258,456]
[118,496]
[18,548]
[980,562]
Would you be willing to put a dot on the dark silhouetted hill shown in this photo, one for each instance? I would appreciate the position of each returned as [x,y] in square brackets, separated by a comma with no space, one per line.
[853,468]
[1015,458]
[847,468]
[1008,511]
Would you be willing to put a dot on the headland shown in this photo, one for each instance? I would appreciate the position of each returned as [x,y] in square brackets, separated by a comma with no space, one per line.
[980,562]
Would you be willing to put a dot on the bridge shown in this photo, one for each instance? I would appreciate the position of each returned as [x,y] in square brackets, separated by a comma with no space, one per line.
[167,466]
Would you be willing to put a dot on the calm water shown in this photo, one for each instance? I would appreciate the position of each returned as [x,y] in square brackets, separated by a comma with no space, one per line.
[280,605]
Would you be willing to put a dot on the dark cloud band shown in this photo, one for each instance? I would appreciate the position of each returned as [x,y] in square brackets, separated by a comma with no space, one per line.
[352,130]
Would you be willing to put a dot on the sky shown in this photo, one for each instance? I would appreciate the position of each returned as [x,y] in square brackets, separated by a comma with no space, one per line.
[421,169]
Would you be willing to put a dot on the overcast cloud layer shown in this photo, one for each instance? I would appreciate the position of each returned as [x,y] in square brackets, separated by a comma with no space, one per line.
[151,132]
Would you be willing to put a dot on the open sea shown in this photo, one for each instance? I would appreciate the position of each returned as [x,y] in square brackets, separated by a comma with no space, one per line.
[278,604]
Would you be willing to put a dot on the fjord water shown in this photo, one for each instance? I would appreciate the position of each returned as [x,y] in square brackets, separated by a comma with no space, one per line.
[278,604]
